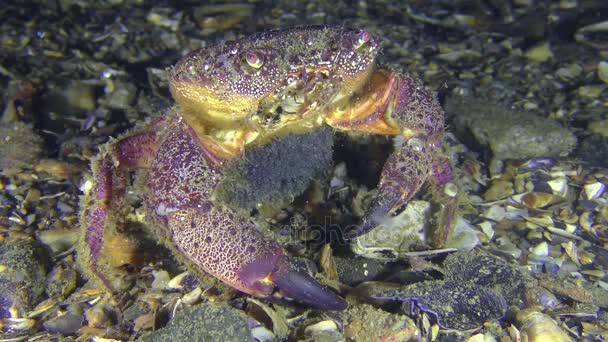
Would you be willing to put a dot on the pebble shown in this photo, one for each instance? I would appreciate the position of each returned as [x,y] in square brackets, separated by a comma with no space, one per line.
[540,53]
[61,281]
[594,150]
[354,271]
[20,147]
[24,264]
[598,127]
[66,325]
[509,134]
[205,322]
[542,249]
[58,240]
[161,279]
[602,71]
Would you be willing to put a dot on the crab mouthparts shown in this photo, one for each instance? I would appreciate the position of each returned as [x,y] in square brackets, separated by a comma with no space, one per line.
[304,89]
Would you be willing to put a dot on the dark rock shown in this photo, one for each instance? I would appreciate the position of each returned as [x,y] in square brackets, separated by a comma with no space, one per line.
[67,324]
[22,282]
[488,271]
[134,311]
[205,322]
[508,134]
[455,305]
[20,149]
[354,271]
[594,150]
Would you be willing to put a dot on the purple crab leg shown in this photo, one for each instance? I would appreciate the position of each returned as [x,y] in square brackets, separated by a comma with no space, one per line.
[406,109]
[106,198]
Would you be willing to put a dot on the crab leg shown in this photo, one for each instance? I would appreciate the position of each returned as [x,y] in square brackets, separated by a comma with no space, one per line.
[106,199]
[399,105]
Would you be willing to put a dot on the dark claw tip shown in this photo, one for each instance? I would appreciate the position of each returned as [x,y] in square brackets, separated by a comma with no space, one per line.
[374,218]
[301,287]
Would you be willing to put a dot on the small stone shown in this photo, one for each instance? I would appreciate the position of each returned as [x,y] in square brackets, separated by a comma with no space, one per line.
[509,134]
[80,97]
[540,53]
[161,279]
[20,147]
[594,150]
[24,263]
[352,271]
[58,240]
[120,96]
[363,322]
[205,322]
[499,189]
[602,71]
[136,310]
[598,127]
[61,281]
[66,325]
[327,325]
[55,168]
[542,249]
[262,334]
[591,91]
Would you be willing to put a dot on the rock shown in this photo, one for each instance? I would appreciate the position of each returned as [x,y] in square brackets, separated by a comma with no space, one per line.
[58,240]
[364,322]
[456,305]
[20,147]
[508,134]
[488,271]
[353,271]
[23,267]
[476,287]
[540,53]
[594,150]
[61,281]
[205,322]
[67,324]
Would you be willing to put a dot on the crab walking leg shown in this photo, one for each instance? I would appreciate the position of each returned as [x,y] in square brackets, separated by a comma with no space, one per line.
[214,238]
[445,192]
[105,202]
[400,105]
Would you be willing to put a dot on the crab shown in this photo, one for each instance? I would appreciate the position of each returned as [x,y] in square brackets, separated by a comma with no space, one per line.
[250,92]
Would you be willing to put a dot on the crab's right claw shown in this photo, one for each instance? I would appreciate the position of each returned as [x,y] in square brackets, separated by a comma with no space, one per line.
[293,284]
[233,249]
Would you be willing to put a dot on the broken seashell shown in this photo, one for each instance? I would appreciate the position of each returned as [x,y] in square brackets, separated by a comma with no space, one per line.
[536,326]
[536,200]
[559,186]
[594,190]
[327,325]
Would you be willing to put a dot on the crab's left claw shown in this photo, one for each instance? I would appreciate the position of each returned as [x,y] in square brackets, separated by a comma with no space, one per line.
[294,284]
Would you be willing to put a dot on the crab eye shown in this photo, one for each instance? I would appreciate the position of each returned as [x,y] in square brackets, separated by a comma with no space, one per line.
[362,38]
[254,60]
